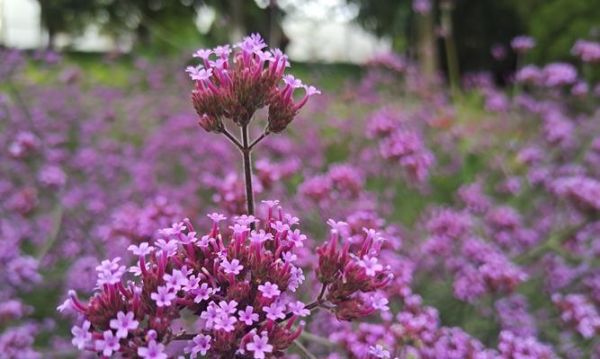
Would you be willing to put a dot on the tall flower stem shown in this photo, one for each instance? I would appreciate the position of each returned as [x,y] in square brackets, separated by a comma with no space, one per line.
[247,155]
[231,138]
[305,352]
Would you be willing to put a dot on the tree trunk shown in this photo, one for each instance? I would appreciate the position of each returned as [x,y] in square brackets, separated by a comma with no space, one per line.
[275,32]
[237,20]
[427,50]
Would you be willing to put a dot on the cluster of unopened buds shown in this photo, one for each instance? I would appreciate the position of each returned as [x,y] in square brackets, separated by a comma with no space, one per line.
[235,82]
[236,290]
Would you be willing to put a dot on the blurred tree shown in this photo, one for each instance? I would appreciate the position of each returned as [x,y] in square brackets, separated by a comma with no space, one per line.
[407,30]
[479,25]
[236,18]
[557,24]
[66,16]
[167,24]
[390,18]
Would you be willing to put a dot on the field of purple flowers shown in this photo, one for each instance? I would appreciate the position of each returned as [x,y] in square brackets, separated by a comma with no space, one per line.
[391,218]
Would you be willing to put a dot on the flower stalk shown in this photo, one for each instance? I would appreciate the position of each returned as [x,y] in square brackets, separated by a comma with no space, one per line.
[247,157]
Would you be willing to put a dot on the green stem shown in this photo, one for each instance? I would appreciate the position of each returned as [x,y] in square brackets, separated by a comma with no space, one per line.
[450,47]
[231,138]
[57,216]
[317,339]
[247,156]
[306,353]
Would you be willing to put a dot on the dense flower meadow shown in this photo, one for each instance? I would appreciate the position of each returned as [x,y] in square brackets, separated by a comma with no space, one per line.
[219,207]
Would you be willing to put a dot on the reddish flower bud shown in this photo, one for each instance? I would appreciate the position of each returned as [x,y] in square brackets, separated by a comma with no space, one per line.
[237,89]
[352,309]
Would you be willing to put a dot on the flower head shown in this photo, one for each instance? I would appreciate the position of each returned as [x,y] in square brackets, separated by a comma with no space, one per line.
[153,350]
[259,346]
[109,343]
[200,345]
[269,290]
[232,267]
[163,296]
[242,81]
[81,335]
[247,316]
[123,324]
[275,311]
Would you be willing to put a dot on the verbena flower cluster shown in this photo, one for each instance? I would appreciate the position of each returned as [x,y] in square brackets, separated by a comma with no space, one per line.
[235,88]
[240,288]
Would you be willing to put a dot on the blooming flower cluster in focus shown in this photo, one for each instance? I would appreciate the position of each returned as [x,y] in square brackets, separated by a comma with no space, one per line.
[237,285]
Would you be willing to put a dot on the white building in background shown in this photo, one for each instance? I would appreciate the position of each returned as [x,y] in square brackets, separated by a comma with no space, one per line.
[21,27]
[332,42]
[20,24]
[313,38]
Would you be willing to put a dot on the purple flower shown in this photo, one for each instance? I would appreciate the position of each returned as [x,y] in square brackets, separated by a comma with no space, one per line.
[587,51]
[110,272]
[203,293]
[108,344]
[52,176]
[338,227]
[234,267]
[379,302]
[216,217]
[225,322]
[513,346]
[203,54]
[578,311]
[421,6]
[211,313]
[123,324]
[298,308]
[81,335]
[370,265]
[559,74]
[529,74]
[199,73]
[260,346]
[168,247]
[163,296]
[297,238]
[239,83]
[248,316]
[275,311]
[522,43]
[228,307]
[154,350]
[280,227]
[378,351]
[239,228]
[176,280]
[269,290]
[260,237]
[271,203]
[200,345]
[291,81]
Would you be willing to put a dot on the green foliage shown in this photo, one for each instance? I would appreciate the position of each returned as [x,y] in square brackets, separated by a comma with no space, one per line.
[386,18]
[237,15]
[66,16]
[478,25]
[557,24]
[164,23]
